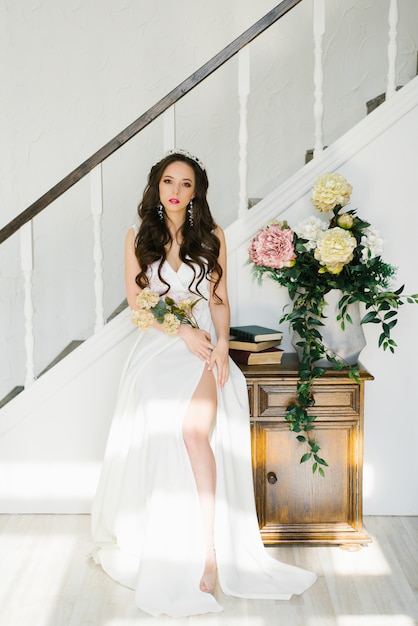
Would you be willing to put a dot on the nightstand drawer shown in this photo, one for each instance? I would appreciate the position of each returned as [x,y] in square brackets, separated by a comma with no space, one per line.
[331,401]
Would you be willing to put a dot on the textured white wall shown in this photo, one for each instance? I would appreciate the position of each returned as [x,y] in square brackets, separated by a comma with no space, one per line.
[75,73]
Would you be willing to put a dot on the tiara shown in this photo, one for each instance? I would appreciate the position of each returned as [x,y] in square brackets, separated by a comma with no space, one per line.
[186,154]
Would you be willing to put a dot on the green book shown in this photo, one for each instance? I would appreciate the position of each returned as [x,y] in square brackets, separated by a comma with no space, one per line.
[255,333]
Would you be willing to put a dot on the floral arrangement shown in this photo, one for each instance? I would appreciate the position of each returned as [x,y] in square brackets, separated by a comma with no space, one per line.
[169,313]
[317,256]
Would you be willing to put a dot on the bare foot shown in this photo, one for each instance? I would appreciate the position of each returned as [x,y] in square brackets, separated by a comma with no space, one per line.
[207,582]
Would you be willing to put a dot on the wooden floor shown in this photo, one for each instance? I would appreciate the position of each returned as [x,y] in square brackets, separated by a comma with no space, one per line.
[46,579]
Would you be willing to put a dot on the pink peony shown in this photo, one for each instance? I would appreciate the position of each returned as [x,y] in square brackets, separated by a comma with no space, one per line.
[273,247]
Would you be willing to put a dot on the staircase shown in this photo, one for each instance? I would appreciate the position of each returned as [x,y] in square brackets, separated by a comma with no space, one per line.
[53,433]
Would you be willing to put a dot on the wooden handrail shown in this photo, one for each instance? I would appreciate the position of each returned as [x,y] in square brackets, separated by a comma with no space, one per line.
[149,116]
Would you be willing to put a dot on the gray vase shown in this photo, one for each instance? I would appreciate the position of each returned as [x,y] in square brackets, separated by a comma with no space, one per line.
[344,345]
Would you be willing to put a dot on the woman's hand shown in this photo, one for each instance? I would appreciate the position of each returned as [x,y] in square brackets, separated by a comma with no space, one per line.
[220,358]
[197,340]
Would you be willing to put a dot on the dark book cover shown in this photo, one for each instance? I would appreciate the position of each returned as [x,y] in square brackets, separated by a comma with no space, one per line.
[245,357]
[253,332]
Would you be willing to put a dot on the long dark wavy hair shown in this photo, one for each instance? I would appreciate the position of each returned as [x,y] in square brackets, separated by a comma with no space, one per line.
[199,248]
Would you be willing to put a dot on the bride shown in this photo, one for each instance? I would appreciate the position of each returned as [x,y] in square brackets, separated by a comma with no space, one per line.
[175,503]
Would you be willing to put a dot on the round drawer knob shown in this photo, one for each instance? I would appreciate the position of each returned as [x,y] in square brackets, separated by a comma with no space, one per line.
[271,478]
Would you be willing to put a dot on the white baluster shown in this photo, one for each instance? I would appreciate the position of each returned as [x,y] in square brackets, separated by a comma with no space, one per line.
[392,48]
[243,92]
[318,77]
[169,128]
[96,207]
[26,260]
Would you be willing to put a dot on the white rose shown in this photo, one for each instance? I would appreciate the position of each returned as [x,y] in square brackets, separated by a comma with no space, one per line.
[310,229]
[372,243]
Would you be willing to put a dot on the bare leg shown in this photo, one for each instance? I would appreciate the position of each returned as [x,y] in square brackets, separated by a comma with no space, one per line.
[196,428]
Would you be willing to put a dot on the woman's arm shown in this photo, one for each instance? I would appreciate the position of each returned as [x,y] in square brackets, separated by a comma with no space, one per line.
[132,270]
[220,313]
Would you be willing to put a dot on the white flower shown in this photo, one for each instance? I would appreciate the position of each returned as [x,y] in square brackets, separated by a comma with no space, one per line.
[372,243]
[310,229]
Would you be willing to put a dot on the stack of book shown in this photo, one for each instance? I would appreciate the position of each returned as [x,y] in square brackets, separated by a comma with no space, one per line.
[255,345]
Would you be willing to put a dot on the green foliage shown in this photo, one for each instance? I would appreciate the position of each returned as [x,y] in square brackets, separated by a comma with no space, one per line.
[352,265]
[304,319]
[359,282]
[183,313]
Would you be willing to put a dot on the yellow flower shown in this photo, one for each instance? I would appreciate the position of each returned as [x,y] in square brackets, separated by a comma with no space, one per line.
[334,249]
[142,318]
[345,220]
[330,190]
[147,298]
[185,304]
[170,324]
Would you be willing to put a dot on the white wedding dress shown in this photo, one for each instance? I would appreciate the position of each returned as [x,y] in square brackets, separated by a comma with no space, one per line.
[146,522]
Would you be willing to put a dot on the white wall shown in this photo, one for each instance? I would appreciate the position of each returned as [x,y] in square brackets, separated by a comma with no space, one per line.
[75,73]
[78,72]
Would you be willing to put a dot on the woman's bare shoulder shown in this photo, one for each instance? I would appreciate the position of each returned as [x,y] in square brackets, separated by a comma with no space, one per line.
[131,234]
[219,233]
[130,242]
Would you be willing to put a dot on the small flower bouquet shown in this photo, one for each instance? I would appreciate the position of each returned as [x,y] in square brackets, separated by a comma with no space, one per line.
[342,253]
[169,313]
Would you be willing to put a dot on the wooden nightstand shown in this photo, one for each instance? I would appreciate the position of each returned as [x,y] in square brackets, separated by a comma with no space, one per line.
[294,505]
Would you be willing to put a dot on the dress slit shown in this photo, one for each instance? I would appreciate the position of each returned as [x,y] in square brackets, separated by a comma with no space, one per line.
[146,516]
[192,416]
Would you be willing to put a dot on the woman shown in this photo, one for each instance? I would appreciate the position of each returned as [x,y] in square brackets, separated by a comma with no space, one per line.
[177,478]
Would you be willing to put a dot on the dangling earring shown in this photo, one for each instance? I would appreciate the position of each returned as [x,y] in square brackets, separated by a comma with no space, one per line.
[160,212]
[190,213]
